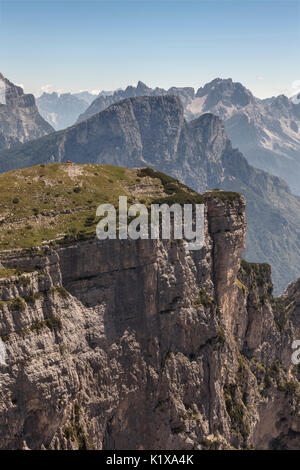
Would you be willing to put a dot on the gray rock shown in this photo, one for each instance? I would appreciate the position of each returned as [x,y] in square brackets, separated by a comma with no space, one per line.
[148,346]
[266,131]
[20,120]
[152,131]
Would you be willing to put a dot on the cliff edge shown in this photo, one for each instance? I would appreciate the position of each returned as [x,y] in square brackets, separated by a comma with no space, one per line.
[123,344]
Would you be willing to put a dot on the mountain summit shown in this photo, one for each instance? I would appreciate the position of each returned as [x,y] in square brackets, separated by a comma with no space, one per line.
[224,93]
[186,94]
[20,120]
[61,110]
[266,131]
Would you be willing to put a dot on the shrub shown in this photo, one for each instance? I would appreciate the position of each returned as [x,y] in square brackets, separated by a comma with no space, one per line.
[33,297]
[236,410]
[221,338]
[89,221]
[18,304]
[203,299]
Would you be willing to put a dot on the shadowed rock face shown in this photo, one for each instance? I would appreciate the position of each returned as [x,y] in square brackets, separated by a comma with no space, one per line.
[152,131]
[148,346]
[266,131]
[20,120]
[186,95]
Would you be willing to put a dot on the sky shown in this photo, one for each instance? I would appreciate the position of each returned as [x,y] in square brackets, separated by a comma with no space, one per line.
[103,45]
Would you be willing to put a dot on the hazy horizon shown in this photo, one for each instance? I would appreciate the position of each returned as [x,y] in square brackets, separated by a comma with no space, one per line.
[105,45]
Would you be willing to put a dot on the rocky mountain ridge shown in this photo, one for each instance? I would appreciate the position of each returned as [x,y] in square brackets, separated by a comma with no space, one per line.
[62,110]
[20,120]
[186,94]
[152,131]
[296,99]
[265,130]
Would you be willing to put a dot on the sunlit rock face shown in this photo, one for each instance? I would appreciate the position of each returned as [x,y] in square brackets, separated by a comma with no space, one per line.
[125,344]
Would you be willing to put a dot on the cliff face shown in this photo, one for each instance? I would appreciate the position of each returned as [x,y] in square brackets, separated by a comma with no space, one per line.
[145,345]
[151,131]
[266,131]
[20,120]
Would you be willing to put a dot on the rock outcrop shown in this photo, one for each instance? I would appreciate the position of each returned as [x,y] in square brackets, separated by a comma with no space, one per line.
[20,120]
[146,345]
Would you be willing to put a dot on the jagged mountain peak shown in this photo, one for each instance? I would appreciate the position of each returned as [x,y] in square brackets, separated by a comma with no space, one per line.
[151,131]
[225,82]
[12,92]
[53,93]
[186,94]
[20,120]
[265,130]
[225,91]
[139,90]
[7,82]
[142,86]
[281,99]
[209,117]
[79,314]
[209,124]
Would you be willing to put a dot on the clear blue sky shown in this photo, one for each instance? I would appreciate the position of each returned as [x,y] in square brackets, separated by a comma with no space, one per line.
[79,45]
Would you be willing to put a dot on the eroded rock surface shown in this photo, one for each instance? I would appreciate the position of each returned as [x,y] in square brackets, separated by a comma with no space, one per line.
[146,345]
[20,120]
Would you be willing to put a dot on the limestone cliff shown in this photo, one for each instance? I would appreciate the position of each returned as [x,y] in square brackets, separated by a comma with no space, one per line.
[146,345]
[20,120]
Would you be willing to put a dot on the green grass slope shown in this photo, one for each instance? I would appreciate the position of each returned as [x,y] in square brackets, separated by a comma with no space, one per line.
[59,201]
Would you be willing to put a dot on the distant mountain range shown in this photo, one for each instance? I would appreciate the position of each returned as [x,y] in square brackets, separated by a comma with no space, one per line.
[152,131]
[20,120]
[266,131]
[61,111]
[296,99]
[85,96]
